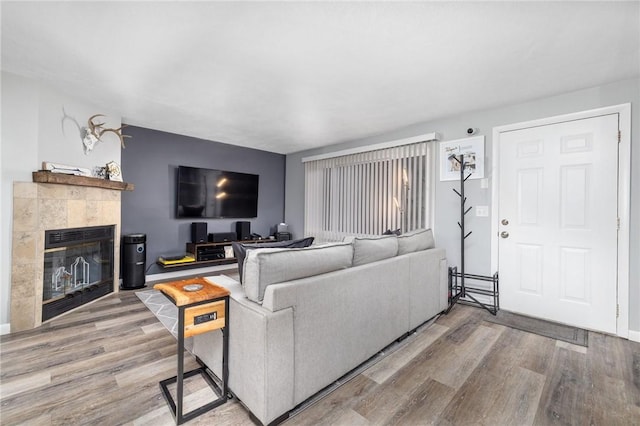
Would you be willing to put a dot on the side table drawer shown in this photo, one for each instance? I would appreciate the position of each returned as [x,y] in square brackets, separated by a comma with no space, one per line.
[204,318]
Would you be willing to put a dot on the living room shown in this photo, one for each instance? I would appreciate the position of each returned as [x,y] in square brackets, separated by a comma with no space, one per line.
[35,130]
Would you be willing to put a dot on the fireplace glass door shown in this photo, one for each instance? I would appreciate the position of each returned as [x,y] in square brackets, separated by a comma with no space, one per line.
[78,268]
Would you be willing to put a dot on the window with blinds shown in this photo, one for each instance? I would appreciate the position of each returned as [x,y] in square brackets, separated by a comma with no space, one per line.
[368,193]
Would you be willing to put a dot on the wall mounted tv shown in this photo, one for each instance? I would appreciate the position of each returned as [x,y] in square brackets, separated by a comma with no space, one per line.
[217,194]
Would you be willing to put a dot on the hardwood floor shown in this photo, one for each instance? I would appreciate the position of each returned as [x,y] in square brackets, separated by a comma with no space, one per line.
[102,364]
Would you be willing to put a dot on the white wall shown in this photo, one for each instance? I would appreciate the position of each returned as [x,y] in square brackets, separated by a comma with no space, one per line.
[32,132]
[478,245]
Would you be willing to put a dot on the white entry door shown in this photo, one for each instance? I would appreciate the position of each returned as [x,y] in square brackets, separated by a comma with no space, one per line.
[558,225]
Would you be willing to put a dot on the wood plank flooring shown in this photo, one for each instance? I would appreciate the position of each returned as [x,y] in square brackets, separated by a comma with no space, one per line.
[102,363]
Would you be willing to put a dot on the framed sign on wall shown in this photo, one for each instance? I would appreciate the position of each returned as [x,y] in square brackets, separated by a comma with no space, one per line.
[473,150]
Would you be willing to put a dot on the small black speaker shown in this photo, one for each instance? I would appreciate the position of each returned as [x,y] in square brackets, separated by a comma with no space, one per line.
[283,236]
[199,232]
[243,230]
[221,237]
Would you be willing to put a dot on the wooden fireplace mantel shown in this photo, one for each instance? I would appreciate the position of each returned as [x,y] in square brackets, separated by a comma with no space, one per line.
[64,179]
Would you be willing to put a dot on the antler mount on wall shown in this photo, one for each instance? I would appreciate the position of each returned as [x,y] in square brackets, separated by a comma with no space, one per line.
[93,133]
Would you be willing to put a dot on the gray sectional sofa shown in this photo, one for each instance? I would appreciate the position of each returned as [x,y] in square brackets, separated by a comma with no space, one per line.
[304,317]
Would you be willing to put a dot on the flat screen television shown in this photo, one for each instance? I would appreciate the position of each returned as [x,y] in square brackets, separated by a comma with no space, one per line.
[218,194]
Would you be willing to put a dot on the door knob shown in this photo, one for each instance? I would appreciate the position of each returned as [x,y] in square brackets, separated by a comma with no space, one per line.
[504,234]
[505,222]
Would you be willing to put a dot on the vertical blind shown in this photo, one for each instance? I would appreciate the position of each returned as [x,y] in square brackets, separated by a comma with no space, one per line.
[369,193]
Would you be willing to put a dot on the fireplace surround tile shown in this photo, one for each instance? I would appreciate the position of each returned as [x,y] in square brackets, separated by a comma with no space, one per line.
[110,195]
[95,194]
[76,213]
[26,320]
[52,213]
[24,274]
[94,212]
[24,247]
[77,193]
[111,211]
[36,208]
[25,190]
[25,214]
[52,191]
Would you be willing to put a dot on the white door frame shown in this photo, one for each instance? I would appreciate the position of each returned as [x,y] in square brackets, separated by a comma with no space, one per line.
[624,195]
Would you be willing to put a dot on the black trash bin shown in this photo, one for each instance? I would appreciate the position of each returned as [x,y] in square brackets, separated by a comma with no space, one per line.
[134,260]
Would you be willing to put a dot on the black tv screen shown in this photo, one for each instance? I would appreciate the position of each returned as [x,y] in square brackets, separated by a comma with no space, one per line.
[207,193]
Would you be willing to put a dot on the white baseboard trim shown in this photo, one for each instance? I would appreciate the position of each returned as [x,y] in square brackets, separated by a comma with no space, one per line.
[5,329]
[634,335]
[184,272]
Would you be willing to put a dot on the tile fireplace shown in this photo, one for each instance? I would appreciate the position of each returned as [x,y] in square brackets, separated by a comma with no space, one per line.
[37,258]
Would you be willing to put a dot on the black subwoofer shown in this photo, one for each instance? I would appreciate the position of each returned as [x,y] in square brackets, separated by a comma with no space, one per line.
[134,260]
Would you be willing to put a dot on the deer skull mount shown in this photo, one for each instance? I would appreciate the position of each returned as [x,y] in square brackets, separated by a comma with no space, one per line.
[92,134]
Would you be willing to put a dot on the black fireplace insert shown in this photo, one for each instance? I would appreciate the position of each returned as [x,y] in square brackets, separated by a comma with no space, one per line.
[78,267]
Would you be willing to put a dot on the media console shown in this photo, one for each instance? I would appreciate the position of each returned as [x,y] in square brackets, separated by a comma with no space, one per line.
[210,254]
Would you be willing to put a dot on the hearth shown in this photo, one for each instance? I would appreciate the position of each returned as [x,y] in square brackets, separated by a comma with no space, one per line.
[78,267]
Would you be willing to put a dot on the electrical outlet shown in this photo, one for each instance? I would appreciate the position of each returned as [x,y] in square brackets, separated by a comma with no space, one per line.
[482,211]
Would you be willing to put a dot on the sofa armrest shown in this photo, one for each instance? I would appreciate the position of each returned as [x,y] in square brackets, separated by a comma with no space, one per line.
[277,298]
[428,284]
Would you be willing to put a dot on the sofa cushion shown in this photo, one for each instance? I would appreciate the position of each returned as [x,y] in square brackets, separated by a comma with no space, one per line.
[240,249]
[372,249]
[420,239]
[266,266]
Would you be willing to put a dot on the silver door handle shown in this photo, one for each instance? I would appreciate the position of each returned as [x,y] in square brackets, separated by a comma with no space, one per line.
[504,234]
[505,222]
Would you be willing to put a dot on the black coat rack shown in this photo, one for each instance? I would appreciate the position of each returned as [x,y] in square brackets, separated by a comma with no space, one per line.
[459,291]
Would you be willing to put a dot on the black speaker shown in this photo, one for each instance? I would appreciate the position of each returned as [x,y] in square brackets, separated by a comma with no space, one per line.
[134,259]
[199,232]
[283,236]
[221,237]
[243,230]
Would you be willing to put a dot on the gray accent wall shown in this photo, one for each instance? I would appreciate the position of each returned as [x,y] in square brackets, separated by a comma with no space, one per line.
[150,162]
[478,246]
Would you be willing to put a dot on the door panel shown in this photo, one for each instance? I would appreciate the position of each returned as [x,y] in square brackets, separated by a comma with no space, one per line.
[529,192]
[574,193]
[558,194]
[575,283]
[530,267]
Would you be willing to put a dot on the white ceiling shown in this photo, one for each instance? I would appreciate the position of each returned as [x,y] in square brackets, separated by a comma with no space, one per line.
[288,76]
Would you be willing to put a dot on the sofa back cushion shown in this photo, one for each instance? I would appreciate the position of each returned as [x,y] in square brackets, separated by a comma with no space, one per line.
[266,266]
[420,239]
[372,249]
[240,249]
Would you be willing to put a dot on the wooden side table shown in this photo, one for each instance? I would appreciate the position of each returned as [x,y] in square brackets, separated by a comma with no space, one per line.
[202,307]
